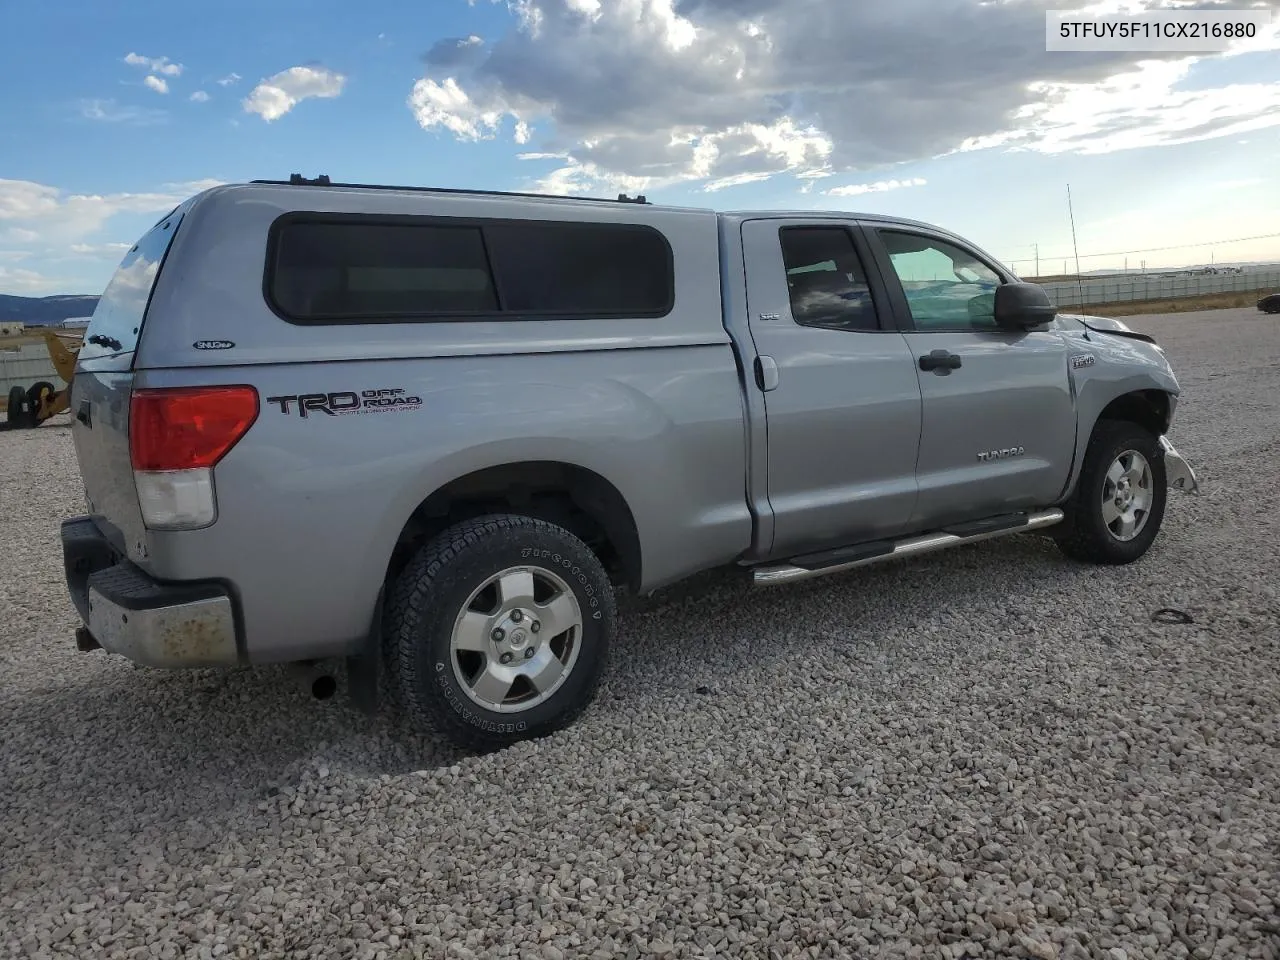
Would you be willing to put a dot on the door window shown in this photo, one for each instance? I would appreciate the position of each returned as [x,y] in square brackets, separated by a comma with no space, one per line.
[825,280]
[947,288]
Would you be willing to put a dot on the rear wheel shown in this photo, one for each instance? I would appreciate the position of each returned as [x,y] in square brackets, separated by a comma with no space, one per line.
[1116,511]
[498,630]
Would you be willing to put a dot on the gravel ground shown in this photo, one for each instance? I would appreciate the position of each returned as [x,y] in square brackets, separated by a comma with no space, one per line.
[990,752]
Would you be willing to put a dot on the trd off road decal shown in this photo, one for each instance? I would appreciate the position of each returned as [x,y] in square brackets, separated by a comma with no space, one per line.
[343,402]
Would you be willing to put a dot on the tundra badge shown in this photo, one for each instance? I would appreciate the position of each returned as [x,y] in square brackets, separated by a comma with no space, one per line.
[1003,454]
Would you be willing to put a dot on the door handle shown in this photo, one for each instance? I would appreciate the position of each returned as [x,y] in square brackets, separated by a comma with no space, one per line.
[766,373]
[940,362]
[82,413]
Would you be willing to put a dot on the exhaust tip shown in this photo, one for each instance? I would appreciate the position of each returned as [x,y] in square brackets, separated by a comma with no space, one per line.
[323,687]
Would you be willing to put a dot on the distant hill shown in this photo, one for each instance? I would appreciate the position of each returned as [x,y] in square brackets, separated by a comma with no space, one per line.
[44,311]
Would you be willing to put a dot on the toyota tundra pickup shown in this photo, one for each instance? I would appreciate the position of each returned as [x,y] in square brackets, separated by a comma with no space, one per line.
[431,431]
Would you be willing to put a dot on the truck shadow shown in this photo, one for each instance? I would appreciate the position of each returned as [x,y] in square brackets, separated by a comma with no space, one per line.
[114,743]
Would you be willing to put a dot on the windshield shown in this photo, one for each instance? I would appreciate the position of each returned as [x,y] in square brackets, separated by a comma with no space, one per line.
[114,328]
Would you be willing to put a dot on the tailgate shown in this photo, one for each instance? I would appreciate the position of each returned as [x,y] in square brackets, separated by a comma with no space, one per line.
[102,387]
[100,430]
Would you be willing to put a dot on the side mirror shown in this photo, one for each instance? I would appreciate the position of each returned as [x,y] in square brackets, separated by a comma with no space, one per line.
[1020,306]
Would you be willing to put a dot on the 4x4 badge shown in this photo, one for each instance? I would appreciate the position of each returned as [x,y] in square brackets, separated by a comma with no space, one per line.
[1082,360]
[213,344]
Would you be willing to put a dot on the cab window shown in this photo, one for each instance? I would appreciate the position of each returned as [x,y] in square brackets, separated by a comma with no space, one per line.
[946,287]
[825,280]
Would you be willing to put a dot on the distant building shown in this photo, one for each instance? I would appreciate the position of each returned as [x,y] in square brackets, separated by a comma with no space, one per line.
[76,323]
[11,328]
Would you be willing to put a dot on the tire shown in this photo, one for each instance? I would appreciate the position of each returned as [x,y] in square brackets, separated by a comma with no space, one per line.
[19,416]
[454,684]
[1094,533]
[34,395]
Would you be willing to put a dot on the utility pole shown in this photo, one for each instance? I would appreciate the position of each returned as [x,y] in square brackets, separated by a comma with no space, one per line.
[1037,246]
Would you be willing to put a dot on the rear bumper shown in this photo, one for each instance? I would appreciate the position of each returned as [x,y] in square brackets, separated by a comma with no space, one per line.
[128,612]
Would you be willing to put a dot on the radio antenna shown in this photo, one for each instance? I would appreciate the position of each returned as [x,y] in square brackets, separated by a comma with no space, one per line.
[1075,247]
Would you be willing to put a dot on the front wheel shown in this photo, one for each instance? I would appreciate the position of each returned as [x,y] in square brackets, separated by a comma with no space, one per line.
[498,630]
[1116,511]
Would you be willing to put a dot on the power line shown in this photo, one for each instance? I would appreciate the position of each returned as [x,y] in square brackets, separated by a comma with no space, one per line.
[1121,253]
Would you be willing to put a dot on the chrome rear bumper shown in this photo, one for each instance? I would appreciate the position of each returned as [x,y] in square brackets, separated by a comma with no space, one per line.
[126,612]
[1179,472]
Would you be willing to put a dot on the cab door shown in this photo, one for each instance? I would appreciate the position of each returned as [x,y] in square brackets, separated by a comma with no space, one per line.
[842,401]
[999,421]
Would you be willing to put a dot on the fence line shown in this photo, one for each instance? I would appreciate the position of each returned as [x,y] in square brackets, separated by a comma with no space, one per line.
[1119,290]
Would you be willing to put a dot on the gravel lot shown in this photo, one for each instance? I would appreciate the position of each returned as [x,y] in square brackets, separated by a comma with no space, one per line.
[990,752]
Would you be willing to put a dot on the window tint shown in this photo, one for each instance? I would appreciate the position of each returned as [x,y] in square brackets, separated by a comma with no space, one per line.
[601,269]
[360,269]
[357,269]
[825,279]
[946,287]
[118,316]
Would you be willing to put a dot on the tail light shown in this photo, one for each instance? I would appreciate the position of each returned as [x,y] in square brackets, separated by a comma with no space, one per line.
[176,437]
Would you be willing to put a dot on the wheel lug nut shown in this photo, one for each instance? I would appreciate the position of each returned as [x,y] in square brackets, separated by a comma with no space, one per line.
[535,626]
[505,658]
[499,635]
[528,653]
[516,616]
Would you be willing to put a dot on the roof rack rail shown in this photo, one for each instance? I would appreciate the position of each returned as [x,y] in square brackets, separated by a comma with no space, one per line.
[298,180]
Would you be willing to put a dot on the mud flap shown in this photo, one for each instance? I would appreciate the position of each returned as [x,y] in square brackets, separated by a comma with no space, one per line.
[364,668]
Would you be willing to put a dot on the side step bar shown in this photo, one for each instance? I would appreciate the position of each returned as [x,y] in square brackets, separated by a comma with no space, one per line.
[769,574]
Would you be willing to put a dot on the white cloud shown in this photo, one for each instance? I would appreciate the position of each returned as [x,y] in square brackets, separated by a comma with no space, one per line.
[30,283]
[734,91]
[229,79]
[109,111]
[1237,184]
[38,213]
[447,105]
[744,153]
[277,95]
[103,250]
[1139,108]
[880,186]
[161,65]
[200,97]
[155,83]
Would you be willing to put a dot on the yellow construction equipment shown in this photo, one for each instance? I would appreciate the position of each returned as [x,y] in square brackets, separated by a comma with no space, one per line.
[33,405]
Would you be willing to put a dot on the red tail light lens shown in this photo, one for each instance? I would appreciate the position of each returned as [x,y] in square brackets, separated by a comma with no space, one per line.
[185,428]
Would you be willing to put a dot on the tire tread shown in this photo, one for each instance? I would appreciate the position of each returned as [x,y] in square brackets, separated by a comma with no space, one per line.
[1077,536]
[431,565]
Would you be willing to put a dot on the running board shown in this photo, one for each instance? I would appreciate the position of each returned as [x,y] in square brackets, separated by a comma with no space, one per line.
[770,574]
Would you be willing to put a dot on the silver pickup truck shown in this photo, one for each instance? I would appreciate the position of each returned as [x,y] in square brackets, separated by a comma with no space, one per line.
[431,431]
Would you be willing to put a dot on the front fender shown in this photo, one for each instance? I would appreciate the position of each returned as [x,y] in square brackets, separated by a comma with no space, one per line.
[1105,367]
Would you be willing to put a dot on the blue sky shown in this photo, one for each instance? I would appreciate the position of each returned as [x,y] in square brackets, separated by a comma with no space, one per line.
[949,111]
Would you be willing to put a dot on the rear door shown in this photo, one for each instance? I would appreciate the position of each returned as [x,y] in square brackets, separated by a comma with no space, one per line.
[842,402]
[102,386]
[999,425]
